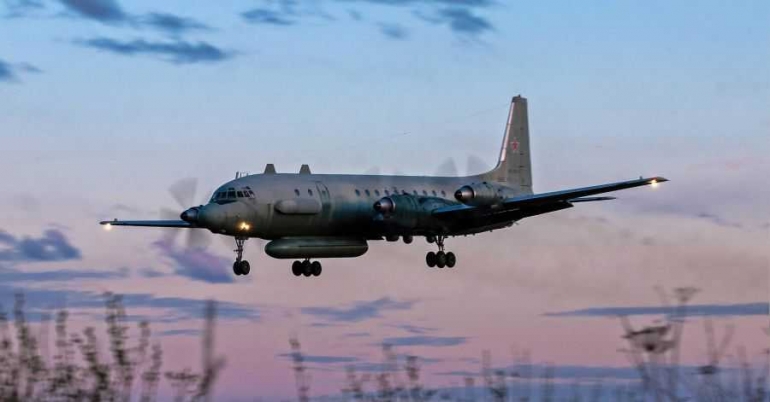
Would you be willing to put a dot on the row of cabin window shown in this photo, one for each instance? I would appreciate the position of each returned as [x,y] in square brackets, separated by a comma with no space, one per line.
[395,191]
[309,192]
[230,194]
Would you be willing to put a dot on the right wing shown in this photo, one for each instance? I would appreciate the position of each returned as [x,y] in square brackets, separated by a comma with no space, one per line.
[154,224]
[535,204]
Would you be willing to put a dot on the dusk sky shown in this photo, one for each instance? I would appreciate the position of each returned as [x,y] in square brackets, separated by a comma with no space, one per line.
[104,104]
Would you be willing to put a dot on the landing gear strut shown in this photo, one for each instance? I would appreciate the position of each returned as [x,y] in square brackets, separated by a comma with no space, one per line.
[240,266]
[440,259]
[306,268]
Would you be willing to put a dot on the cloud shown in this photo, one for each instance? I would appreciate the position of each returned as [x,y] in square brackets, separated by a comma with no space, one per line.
[60,275]
[196,263]
[175,309]
[422,340]
[20,8]
[459,16]
[394,31]
[180,332]
[105,11]
[151,273]
[322,359]
[356,335]
[359,311]
[175,52]
[10,72]
[413,329]
[53,246]
[173,24]
[461,21]
[265,16]
[745,309]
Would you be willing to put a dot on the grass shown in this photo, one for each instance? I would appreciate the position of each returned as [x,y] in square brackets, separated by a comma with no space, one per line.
[132,370]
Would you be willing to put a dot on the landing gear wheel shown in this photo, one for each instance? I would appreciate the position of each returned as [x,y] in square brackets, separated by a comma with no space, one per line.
[430,259]
[306,268]
[245,267]
[451,260]
[237,268]
[315,268]
[440,259]
[296,268]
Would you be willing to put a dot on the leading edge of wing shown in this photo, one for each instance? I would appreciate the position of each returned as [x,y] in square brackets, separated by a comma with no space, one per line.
[154,224]
[571,195]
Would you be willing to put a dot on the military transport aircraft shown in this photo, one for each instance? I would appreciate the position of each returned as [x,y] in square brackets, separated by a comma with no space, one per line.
[308,216]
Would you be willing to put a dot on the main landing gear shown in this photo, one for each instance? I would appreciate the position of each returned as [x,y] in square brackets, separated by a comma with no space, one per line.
[240,266]
[306,268]
[440,259]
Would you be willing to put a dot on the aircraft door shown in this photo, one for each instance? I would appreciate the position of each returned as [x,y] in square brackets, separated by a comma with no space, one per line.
[325,198]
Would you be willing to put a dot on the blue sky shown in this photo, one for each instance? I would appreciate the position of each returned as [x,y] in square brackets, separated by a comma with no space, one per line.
[105,103]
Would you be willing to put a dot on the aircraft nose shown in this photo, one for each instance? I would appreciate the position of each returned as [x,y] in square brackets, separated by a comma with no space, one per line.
[190,216]
[210,216]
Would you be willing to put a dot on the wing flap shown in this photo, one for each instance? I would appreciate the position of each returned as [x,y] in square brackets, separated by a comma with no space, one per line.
[154,224]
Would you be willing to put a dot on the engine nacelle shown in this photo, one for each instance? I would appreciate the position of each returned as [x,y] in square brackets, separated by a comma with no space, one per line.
[479,194]
[404,212]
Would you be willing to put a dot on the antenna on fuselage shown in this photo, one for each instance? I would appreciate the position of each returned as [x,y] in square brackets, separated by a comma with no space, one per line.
[269,169]
[305,169]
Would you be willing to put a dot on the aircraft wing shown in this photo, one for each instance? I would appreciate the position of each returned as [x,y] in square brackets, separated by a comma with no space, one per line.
[538,201]
[155,224]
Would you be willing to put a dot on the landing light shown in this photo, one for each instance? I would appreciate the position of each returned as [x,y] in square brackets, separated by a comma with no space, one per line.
[654,183]
[108,227]
[245,226]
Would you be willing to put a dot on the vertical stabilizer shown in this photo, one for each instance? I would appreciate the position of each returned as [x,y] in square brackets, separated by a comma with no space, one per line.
[514,166]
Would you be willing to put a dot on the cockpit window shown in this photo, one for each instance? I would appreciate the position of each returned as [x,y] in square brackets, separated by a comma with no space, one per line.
[240,194]
[231,194]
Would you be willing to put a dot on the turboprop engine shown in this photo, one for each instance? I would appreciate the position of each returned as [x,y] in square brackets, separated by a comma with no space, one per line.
[481,194]
[404,212]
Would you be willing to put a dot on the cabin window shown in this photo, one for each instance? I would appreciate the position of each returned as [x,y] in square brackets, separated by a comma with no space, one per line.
[368,194]
[358,193]
[414,192]
[387,192]
[434,193]
[443,193]
[377,193]
[424,192]
[310,192]
[404,192]
[296,192]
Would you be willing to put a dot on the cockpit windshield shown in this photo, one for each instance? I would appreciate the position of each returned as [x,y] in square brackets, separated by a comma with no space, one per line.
[231,194]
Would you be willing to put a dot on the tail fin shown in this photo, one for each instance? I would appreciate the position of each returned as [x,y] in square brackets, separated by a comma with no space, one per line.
[514,167]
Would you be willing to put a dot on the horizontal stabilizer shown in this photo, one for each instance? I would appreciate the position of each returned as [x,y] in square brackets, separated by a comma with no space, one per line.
[155,224]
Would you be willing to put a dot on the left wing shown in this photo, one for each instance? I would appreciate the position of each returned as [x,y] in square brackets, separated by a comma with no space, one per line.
[154,224]
[554,198]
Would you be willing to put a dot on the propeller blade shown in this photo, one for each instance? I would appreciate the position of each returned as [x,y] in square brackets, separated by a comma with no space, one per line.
[197,238]
[170,214]
[183,192]
[476,165]
[447,168]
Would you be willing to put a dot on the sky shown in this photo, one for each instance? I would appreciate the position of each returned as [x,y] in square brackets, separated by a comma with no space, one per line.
[104,104]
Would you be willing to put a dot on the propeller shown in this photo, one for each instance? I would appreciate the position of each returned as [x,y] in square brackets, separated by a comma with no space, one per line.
[183,191]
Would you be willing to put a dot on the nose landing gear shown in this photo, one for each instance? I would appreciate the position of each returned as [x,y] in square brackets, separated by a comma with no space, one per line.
[440,259]
[306,268]
[240,266]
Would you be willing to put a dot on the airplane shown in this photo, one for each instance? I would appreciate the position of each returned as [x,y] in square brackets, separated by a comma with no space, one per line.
[307,216]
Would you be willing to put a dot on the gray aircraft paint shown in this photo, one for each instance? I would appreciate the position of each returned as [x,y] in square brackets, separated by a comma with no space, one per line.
[304,212]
